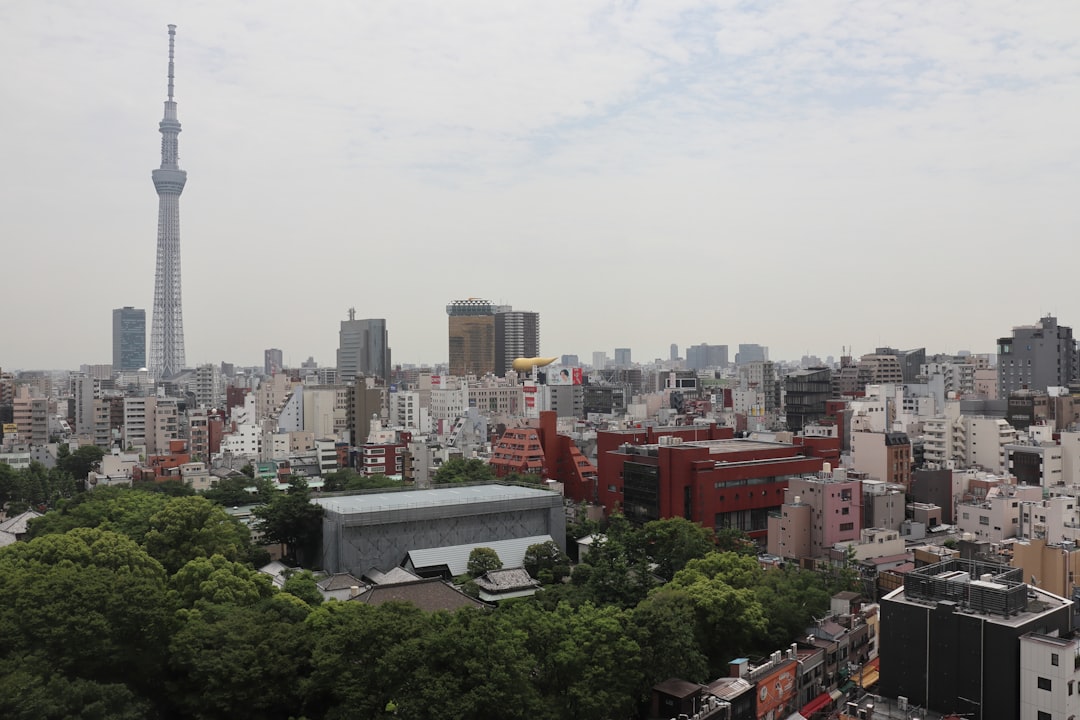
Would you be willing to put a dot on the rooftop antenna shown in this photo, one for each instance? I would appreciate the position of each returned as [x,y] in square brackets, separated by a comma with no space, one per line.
[172,40]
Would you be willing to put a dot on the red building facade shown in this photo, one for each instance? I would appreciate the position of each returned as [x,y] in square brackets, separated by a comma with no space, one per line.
[719,482]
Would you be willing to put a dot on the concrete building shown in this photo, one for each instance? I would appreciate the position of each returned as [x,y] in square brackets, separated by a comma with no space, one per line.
[806,393]
[1049,677]
[363,349]
[997,516]
[1037,357]
[1054,566]
[700,357]
[273,362]
[622,357]
[751,352]
[950,637]
[472,337]
[129,338]
[884,504]
[517,335]
[208,386]
[378,530]
[817,513]
[1040,465]
[910,361]
[884,456]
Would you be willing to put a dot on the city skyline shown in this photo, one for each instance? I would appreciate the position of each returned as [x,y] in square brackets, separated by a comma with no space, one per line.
[805,176]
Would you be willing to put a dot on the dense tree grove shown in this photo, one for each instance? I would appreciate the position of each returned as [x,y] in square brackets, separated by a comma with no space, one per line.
[131,604]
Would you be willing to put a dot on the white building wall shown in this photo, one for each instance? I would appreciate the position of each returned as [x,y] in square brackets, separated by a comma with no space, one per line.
[1049,678]
[291,418]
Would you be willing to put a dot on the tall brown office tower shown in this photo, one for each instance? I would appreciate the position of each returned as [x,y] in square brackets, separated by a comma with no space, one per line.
[472,337]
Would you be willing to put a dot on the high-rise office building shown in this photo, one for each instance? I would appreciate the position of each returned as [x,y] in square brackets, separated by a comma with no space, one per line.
[517,335]
[167,333]
[699,357]
[751,352]
[1037,357]
[272,361]
[674,351]
[472,337]
[363,349]
[128,339]
[622,357]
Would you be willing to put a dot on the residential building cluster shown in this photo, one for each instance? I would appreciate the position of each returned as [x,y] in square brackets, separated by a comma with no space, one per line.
[895,464]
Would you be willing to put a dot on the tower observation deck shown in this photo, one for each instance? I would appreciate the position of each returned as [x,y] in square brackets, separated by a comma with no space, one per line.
[167,333]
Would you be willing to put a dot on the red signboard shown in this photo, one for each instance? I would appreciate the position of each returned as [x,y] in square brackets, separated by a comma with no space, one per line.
[775,691]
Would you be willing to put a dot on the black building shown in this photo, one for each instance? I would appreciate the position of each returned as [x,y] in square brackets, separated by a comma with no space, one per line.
[805,395]
[950,637]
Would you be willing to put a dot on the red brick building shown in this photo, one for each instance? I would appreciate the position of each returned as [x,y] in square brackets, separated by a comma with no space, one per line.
[702,474]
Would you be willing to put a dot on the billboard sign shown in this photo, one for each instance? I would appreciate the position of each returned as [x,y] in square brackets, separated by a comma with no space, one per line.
[775,691]
[564,376]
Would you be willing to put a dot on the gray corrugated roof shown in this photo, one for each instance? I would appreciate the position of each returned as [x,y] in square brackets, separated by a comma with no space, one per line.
[18,524]
[456,557]
[381,502]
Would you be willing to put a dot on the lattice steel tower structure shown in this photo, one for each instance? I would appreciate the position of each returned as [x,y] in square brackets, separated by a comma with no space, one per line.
[167,334]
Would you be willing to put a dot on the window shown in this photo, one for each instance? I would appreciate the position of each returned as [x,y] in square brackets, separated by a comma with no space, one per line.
[1044,683]
[845,511]
[847,526]
[1044,716]
[1054,659]
[984,520]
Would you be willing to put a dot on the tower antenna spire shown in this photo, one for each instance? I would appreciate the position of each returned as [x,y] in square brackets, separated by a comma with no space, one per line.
[172,41]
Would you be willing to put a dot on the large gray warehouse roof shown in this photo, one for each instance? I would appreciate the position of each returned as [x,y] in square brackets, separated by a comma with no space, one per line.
[382,502]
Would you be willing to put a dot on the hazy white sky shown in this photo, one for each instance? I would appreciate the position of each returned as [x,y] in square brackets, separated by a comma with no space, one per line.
[803,175]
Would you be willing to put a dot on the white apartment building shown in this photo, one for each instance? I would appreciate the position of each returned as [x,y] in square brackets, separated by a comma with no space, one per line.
[406,411]
[1054,519]
[290,418]
[997,517]
[321,410]
[245,441]
[955,440]
[1049,677]
[139,423]
[449,400]
[208,386]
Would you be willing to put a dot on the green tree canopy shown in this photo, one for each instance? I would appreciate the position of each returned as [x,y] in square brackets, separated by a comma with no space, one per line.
[290,518]
[241,663]
[460,470]
[349,479]
[120,509]
[481,560]
[362,657]
[78,464]
[546,556]
[672,542]
[89,604]
[302,585]
[218,581]
[193,527]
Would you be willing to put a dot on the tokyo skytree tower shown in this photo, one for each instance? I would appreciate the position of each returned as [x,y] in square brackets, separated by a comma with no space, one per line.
[167,333]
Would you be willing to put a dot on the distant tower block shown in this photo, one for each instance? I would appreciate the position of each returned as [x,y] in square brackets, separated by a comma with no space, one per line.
[167,333]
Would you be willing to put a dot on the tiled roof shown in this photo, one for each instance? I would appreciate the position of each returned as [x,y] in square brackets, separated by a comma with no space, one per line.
[19,524]
[7,539]
[507,580]
[339,581]
[391,576]
[429,595]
